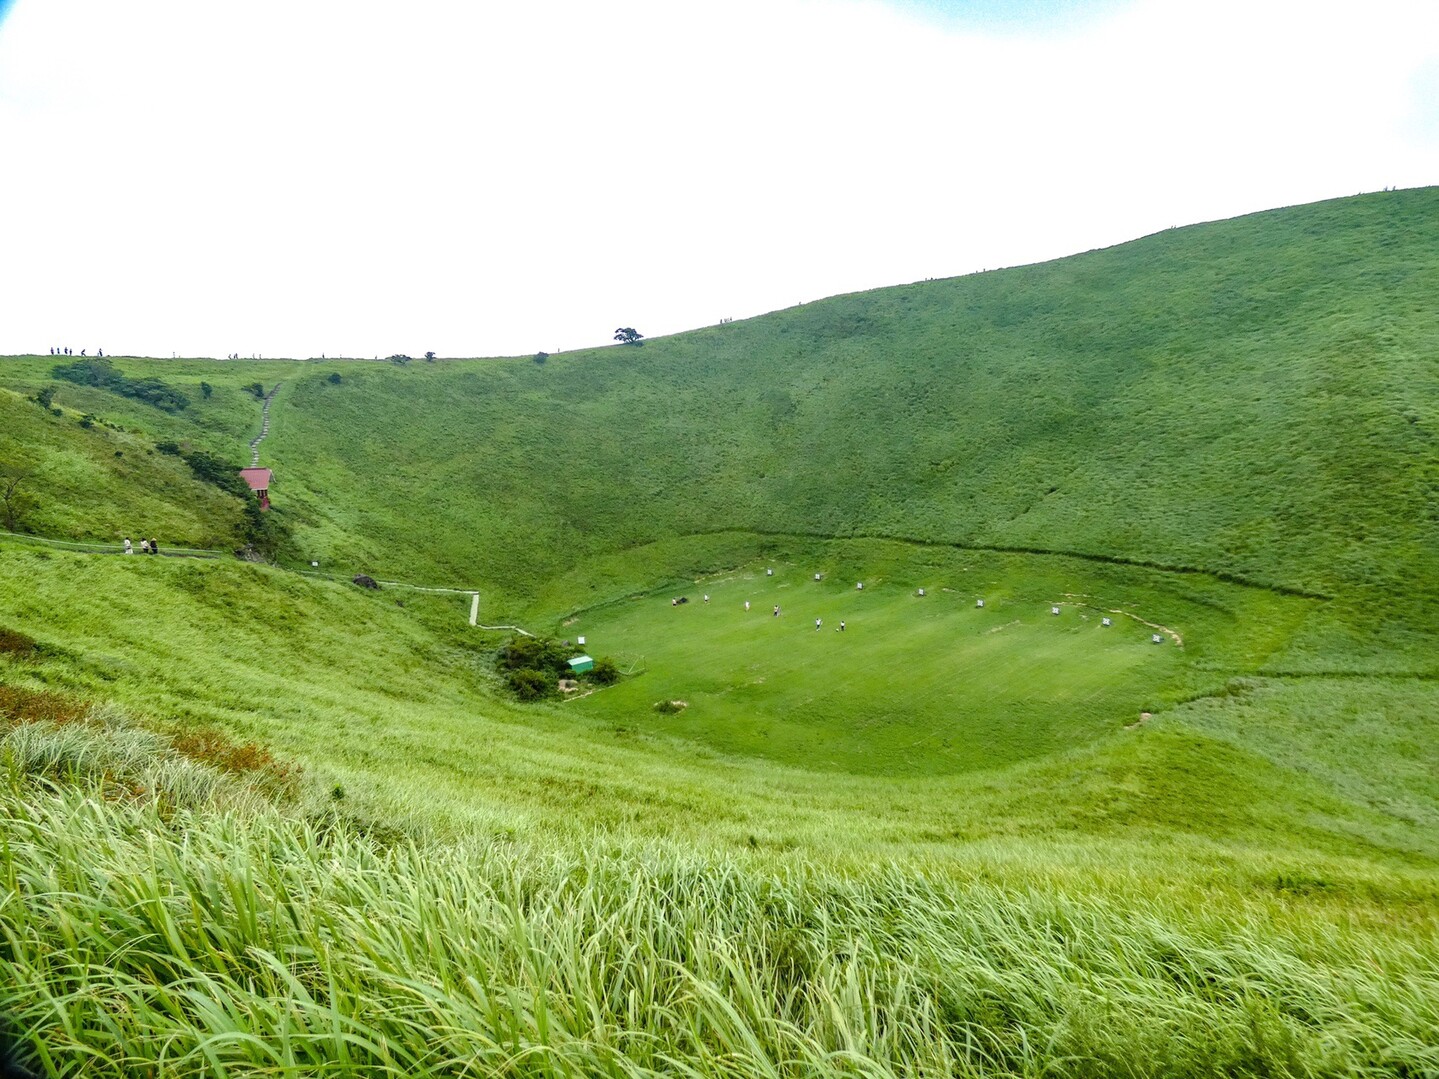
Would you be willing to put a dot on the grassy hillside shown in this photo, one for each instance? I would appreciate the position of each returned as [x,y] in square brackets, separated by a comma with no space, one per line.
[1253,396]
[260,821]
[1244,885]
[392,698]
[104,482]
[321,953]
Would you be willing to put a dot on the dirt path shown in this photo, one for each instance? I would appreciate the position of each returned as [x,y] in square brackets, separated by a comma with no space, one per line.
[1077,601]
[264,426]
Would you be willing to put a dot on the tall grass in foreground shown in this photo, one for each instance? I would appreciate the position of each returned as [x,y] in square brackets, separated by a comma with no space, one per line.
[150,937]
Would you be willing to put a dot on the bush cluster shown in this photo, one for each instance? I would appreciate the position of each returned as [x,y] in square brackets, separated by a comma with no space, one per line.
[533,666]
[102,374]
[213,470]
[260,530]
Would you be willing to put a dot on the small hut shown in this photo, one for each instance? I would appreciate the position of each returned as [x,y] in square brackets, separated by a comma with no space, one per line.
[259,481]
[580,664]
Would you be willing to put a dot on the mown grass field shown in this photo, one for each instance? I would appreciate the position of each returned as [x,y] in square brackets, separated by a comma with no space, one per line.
[916,685]
[258,821]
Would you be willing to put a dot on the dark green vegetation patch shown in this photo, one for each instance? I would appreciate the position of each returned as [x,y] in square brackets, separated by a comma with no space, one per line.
[102,373]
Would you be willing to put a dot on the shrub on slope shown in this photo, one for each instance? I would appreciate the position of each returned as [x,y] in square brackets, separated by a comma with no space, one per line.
[102,374]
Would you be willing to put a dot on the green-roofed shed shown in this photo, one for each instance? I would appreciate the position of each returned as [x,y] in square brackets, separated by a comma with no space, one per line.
[580,664]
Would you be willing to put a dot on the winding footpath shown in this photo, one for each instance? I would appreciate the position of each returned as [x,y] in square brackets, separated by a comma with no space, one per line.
[264,426]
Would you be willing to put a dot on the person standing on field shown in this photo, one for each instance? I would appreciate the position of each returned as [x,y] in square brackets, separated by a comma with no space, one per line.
[128,549]
[816,625]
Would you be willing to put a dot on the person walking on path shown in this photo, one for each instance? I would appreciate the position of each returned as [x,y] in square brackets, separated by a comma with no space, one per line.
[154,546]
[128,548]
[144,546]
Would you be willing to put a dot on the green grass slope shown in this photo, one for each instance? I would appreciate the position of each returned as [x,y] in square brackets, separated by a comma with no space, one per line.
[391,697]
[452,884]
[1254,397]
[104,482]
[254,822]
[189,942]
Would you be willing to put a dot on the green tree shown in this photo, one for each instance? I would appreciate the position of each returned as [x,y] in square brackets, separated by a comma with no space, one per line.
[628,335]
[529,684]
[16,501]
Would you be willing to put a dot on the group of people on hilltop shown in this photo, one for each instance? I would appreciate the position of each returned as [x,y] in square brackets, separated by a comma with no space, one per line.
[147,546]
[99,352]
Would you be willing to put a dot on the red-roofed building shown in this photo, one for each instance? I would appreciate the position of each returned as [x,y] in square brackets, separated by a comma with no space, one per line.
[259,481]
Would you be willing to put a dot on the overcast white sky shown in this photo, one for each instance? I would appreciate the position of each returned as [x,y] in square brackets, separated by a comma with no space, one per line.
[298,177]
